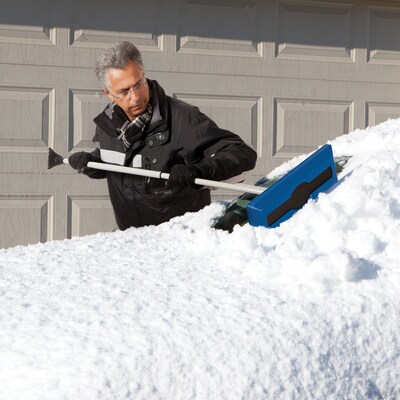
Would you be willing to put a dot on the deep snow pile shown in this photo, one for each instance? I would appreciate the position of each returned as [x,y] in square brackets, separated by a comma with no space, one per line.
[309,310]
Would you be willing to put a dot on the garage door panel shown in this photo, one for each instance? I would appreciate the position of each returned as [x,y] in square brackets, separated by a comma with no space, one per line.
[380,112]
[133,17]
[88,215]
[314,30]
[84,105]
[383,34]
[91,38]
[231,27]
[26,219]
[27,35]
[26,117]
[301,125]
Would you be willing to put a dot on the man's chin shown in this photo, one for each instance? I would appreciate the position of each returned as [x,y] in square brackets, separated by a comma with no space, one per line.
[135,111]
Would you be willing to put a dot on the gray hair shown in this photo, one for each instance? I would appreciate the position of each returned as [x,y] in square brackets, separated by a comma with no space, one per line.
[117,56]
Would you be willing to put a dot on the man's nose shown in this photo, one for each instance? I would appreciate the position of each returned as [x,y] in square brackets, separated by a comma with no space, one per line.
[133,94]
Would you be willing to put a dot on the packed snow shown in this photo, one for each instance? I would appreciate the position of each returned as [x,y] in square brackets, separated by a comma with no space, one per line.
[309,310]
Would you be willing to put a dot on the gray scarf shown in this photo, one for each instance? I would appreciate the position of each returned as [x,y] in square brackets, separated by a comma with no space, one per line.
[131,131]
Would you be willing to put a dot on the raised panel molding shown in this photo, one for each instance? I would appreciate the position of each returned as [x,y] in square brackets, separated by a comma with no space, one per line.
[88,215]
[89,38]
[26,219]
[239,114]
[231,28]
[308,30]
[383,35]
[301,125]
[27,118]
[246,4]
[100,24]
[378,112]
[201,45]
[84,105]
[24,34]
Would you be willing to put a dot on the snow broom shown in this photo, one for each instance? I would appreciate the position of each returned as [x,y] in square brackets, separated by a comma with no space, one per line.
[272,205]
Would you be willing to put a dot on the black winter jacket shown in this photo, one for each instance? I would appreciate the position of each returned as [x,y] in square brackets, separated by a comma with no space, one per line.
[178,133]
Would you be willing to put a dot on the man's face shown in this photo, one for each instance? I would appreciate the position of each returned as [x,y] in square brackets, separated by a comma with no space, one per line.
[128,89]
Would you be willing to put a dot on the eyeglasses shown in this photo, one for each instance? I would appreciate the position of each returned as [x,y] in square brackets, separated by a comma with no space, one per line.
[123,94]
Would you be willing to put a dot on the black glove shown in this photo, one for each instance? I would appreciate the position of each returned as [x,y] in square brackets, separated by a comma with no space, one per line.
[79,161]
[183,175]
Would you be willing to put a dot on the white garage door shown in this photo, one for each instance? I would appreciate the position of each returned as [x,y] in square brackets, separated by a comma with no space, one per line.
[285,75]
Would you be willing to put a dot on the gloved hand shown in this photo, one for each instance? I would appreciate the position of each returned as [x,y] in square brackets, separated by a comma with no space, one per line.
[79,161]
[183,175]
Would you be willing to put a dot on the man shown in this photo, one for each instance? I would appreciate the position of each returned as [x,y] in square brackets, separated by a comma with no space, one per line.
[143,127]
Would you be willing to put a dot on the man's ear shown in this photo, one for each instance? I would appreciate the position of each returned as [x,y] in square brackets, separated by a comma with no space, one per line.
[107,93]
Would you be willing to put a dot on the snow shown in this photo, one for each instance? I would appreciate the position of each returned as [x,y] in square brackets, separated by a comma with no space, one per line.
[309,310]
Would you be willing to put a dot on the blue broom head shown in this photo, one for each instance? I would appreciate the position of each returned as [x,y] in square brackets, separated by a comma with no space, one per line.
[280,201]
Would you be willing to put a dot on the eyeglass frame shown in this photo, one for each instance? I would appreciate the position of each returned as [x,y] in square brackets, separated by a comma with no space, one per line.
[137,86]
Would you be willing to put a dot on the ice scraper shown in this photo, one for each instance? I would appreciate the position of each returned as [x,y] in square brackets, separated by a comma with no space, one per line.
[272,205]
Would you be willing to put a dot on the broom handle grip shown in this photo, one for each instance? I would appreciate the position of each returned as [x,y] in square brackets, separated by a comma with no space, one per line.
[239,187]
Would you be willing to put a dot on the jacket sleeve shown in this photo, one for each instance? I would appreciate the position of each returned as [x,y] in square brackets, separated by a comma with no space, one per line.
[96,155]
[218,153]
